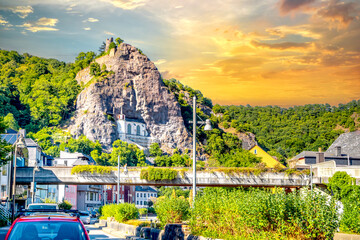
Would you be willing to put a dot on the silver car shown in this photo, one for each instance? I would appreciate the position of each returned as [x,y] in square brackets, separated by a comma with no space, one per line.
[85,217]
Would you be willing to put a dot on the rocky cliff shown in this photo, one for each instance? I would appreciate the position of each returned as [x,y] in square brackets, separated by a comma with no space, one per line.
[136,89]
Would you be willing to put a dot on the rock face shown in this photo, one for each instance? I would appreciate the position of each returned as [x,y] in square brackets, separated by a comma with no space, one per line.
[137,90]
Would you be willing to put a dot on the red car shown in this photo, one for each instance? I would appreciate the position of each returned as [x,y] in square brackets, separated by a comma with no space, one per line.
[47,227]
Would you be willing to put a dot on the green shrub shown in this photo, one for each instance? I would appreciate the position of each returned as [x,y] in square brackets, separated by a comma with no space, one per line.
[48,200]
[121,212]
[350,219]
[261,214]
[95,69]
[172,209]
[143,211]
[91,169]
[65,205]
[151,210]
[158,174]
[338,182]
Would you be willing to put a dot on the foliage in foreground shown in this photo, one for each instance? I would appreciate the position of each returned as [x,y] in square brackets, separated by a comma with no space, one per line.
[172,209]
[260,214]
[343,187]
[168,191]
[121,212]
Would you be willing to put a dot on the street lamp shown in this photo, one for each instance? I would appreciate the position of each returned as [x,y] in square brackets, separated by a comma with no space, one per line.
[36,169]
[19,143]
[118,181]
[207,127]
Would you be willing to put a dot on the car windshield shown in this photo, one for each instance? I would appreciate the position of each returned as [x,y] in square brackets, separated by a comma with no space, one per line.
[36,207]
[55,230]
[84,213]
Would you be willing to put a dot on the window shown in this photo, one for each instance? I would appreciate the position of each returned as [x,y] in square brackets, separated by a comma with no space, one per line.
[129,129]
[255,151]
[140,194]
[4,171]
[137,202]
[137,194]
[138,130]
[140,202]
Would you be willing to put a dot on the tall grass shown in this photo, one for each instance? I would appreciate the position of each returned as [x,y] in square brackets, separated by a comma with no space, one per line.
[263,214]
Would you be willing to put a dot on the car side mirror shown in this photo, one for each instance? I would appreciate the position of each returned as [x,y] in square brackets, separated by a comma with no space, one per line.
[88,231]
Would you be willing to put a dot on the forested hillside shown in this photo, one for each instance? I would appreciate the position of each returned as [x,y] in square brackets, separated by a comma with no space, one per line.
[288,131]
[38,93]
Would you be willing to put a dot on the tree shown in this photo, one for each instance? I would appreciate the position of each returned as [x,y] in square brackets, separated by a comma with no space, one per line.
[5,148]
[112,45]
[10,121]
[95,69]
[155,150]
[102,47]
[338,183]
[119,41]
[129,154]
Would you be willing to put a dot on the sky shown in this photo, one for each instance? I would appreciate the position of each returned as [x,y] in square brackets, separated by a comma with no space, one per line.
[236,52]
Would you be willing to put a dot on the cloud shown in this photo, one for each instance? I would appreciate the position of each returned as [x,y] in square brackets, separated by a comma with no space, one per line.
[340,12]
[4,22]
[160,61]
[91,20]
[87,29]
[281,46]
[126,4]
[109,33]
[304,30]
[287,6]
[43,24]
[46,21]
[21,11]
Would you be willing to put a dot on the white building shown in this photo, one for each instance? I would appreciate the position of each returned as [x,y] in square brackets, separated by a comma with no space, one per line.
[143,195]
[73,159]
[132,131]
[34,156]
[82,197]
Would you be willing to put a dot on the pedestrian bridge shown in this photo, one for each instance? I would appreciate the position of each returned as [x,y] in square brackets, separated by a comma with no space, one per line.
[206,178]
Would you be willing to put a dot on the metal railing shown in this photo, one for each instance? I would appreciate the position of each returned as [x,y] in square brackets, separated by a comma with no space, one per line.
[5,214]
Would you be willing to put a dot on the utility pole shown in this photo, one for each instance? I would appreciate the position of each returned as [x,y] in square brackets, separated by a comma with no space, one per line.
[118,182]
[194,148]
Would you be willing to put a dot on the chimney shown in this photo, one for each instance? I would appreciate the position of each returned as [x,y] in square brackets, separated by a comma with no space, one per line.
[23,132]
[338,151]
[320,157]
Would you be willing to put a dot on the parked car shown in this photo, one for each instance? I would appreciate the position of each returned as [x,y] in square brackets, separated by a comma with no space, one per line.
[95,213]
[55,227]
[85,217]
[42,206]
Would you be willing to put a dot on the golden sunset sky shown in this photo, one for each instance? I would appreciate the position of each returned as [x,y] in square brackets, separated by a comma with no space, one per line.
[257,52]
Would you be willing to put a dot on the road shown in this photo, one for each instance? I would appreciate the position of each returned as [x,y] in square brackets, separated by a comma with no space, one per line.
[95,233]
[98,234]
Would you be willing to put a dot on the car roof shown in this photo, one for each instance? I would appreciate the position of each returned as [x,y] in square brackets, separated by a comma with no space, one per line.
[44,217]
[34,204]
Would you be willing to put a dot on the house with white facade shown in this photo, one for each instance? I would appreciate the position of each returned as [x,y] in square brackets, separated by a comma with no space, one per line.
[82,197]
[143,195]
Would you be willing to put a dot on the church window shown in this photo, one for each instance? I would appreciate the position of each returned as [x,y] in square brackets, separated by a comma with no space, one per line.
[129,129]
[137,130]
